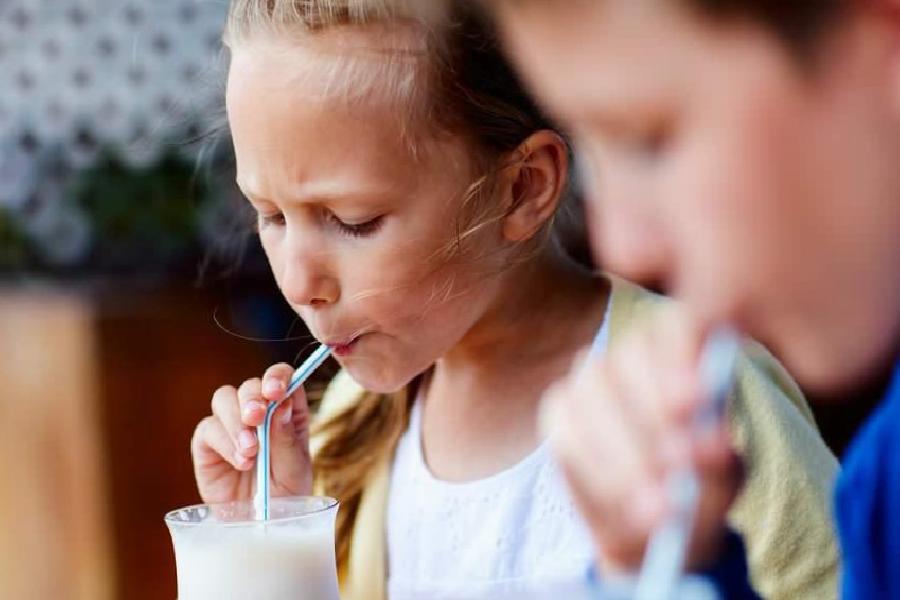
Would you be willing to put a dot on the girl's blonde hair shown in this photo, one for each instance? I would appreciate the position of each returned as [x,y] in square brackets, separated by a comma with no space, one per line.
[451,78]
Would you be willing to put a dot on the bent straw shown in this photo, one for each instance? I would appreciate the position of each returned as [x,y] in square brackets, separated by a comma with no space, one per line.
[263,464]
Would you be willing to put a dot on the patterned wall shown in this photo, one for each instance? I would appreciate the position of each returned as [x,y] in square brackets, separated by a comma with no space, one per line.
[79,75]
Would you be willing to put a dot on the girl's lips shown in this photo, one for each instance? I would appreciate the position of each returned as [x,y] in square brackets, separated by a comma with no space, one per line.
[343,348]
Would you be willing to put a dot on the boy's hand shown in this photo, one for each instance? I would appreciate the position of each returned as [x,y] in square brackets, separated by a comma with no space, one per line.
[621,423]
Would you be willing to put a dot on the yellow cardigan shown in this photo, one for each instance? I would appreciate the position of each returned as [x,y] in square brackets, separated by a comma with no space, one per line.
[783,513]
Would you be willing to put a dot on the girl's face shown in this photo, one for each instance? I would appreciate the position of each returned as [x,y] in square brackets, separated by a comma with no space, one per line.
[759,192]
[353,225]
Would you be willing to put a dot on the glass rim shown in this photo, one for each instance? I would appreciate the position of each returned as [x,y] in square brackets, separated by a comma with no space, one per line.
[171,517]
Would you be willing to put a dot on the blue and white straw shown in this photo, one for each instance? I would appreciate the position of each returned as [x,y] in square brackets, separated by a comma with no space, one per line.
[665,556]
[263,462]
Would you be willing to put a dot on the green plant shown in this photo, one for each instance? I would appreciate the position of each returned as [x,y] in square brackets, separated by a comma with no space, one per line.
[146,218]
[13,243]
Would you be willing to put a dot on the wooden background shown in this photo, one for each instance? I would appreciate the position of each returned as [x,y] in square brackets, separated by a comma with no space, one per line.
[101,392]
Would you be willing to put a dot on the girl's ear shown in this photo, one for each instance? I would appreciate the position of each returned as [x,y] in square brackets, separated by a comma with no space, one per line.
[536,184]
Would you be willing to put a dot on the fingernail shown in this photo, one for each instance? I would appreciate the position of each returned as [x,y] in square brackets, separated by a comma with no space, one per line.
[287,414]
[272,387]
[246,439]
[252,407]
[242,462]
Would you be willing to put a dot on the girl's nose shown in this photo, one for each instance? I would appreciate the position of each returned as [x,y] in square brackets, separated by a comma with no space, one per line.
[306,284]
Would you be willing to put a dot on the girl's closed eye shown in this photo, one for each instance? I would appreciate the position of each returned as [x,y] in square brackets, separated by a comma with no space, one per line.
[275,219]
[356,229]
[360,229]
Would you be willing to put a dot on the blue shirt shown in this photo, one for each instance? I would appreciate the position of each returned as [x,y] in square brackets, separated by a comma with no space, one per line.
[868,504]
[868,513]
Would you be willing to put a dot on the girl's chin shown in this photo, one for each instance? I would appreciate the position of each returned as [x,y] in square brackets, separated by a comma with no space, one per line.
[374,379]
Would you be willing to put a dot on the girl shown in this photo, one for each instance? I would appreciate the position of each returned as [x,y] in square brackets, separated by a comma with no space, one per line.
[766,190]
[410,203]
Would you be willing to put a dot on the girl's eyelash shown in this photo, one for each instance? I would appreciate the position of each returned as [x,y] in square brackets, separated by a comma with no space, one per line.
[276,219]
[357,229]
[351,229]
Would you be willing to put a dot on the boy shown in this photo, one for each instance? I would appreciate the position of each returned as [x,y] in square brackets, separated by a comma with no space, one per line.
[746,153]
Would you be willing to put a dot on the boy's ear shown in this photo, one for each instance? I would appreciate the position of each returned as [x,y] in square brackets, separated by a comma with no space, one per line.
[894,14]
[888,12]
[536,184]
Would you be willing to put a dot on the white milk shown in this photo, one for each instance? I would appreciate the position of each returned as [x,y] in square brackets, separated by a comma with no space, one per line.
[221,553]
[255,564]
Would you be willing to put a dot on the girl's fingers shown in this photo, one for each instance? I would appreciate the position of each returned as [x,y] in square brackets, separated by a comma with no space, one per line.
[256,394]
[226,409]
[291,462]
[275,381]
[251,405]
[290,423]
[211,445]
[243,435]
[271,388]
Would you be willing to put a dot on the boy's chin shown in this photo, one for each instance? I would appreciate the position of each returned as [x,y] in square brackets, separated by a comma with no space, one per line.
[833,371]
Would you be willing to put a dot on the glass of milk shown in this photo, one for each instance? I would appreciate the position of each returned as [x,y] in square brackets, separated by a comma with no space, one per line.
[222,553]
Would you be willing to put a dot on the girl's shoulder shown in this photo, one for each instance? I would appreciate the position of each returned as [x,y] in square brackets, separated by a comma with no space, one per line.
[341,393]
[631,305]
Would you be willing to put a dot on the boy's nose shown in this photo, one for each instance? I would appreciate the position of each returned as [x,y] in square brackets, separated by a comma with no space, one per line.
[628,235]
[632,247]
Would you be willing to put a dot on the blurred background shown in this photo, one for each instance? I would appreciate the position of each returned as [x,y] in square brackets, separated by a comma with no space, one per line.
[131,286]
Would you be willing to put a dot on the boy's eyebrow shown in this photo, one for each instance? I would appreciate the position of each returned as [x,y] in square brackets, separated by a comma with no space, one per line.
[606,124]
[605,121]
[578,117]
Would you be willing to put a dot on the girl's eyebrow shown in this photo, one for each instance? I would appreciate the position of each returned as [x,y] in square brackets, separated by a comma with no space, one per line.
[320,193]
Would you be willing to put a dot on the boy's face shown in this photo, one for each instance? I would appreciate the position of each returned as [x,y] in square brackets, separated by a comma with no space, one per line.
[760,191]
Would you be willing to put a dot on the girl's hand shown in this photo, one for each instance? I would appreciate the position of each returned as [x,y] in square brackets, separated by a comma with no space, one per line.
[225,445]
[621,423]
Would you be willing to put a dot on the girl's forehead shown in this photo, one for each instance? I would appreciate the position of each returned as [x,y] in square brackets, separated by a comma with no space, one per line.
[290,131]
[323,68]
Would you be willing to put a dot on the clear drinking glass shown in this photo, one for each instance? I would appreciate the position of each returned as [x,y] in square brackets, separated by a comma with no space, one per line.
[222,553]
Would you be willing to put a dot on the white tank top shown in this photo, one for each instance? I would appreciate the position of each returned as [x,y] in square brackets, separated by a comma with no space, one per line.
[493,538]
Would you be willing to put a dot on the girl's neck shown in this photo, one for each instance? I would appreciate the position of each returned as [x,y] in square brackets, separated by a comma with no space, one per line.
[547,306]
[483,394]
